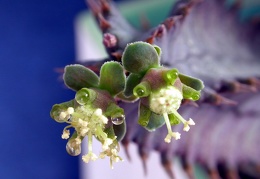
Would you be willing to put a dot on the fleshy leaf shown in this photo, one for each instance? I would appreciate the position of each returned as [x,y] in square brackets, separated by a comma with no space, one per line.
[192,82]
[112,78]
[158,50]
[139,57]
[155,122]
[131,82]
[114,110]
[143,89]
[110,132]
[85,96]
[170,76]
[144,115]
[78,76]
[120,131]
[190,93]
[58,108]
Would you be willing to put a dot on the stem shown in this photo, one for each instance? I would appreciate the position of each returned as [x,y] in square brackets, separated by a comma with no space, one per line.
[69,126]
[89,142]
[179,116]
[167,122]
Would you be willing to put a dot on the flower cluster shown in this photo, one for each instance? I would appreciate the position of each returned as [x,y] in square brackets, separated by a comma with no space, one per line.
[165,100]
[160,90]
[94,111]
[87,122]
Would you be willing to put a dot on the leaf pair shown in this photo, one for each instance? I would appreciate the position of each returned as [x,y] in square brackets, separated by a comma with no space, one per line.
[112,78]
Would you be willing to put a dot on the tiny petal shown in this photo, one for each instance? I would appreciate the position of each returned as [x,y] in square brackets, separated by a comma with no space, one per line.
[70,110]
[102,155]
[80,121]
[65,134]
[84,132]
[63,115]
[98,112]
[186,127]
[167,140]
[88,157]
[94,157]
[105,145]
[85,158]
[108,141]
[191,122]
[104,119]
[114,151]
[161,100]
[176,135]
[84,124]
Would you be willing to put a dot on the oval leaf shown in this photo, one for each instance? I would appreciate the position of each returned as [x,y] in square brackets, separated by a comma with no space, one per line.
[144,115]
[139,57]
[78,76]
[155,122]
[192,82]
[112,78]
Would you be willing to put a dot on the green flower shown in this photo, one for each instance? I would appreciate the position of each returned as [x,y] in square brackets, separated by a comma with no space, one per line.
[160,90]
[93,112]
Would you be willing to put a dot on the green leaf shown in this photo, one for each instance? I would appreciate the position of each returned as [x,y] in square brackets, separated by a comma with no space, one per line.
[190,93]
[122,97]
[78,76]
[58,108]
[171,75]
[120,131]
[138,57]
[112,78]
[110,132]
[143,89]
[85,96]
[131,82]
[155,122]
[192,82]
[144,115]
[173,119]
[113,110]
[158,50]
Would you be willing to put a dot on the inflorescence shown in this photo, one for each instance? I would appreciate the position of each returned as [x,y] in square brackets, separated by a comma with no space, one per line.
[94,111]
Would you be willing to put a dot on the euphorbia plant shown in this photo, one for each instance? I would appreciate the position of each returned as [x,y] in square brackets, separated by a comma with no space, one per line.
[94,110]
[161,90]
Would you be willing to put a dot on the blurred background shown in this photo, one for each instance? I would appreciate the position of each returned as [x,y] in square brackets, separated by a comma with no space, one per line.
[36,38]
